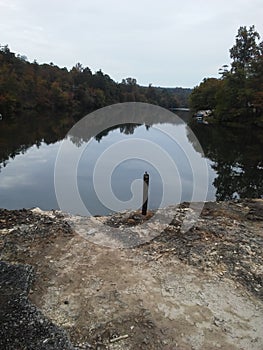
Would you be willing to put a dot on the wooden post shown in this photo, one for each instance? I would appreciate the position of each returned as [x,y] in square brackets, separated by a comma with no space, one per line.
[145,193]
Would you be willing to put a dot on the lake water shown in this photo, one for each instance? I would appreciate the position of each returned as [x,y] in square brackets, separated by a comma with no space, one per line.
[231,165]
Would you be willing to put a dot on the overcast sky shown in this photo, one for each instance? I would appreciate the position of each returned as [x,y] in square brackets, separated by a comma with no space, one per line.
[166,43]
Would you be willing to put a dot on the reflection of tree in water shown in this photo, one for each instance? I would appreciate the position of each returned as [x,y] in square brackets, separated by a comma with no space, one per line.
[18,135]
[237,159]
[83,137]
[127,129]
[236,153]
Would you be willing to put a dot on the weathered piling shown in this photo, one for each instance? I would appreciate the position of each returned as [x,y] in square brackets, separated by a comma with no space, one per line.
[145,193]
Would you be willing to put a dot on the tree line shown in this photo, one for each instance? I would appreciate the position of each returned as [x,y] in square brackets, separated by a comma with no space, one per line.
[26,86]
[237,96]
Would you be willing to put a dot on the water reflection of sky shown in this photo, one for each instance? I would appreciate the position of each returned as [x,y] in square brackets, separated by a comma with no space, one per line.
[28,179]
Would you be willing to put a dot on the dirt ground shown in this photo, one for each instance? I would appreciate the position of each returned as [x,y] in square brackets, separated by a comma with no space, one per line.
[201,289]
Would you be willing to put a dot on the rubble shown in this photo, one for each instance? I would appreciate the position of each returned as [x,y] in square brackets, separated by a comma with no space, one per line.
[227,239]
[23,326]
[200,289]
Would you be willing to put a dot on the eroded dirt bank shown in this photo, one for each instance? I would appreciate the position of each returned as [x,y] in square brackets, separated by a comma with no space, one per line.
[200,289]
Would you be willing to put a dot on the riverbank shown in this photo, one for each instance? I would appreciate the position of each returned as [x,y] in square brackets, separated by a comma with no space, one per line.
[202,289]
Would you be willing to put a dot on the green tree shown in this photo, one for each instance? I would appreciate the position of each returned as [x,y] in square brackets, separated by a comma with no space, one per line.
[245,50]
[238,94]
[204,95]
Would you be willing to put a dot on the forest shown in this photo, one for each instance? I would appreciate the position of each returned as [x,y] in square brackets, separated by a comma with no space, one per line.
[237,96]
[47,88]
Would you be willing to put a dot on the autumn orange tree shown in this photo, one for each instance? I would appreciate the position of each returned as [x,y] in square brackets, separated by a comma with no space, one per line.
[46,87]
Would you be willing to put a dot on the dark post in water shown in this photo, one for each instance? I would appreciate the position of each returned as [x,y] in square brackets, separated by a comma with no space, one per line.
[145,193]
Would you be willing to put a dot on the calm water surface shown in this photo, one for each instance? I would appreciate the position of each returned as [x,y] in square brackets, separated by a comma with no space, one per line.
[29,147]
